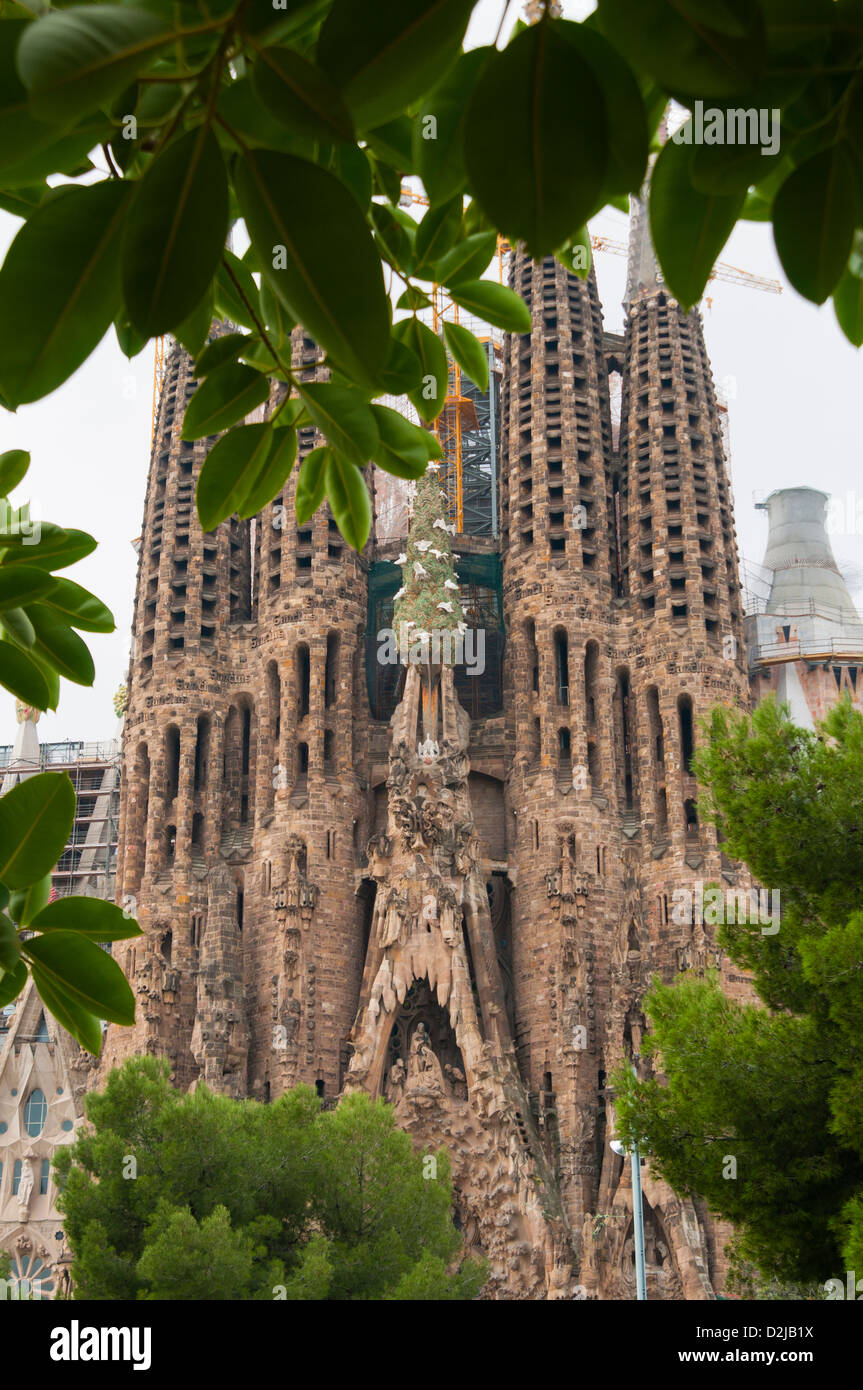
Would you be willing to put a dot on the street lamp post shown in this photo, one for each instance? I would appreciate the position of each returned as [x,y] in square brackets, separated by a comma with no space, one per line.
[637,1216]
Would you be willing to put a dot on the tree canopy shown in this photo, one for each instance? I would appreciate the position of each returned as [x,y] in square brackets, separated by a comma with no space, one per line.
[197,1196]
[776,1089]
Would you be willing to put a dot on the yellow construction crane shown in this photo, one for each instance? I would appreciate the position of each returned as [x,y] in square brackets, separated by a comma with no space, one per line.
[721,271]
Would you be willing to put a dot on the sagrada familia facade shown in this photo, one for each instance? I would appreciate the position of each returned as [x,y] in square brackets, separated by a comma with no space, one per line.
[443,886]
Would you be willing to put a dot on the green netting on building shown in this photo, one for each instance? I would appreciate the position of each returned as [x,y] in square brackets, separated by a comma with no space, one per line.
[481,591]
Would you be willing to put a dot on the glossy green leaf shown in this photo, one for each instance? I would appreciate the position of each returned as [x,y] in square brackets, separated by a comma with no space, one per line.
[392,142]
[92,917]
[75,60]
[848,304]
[349,499]
[35,822]
[273,474]
[300,95]
[468,259]
[221,350]
[75,966]
[57,643]
[10,944]
[226,396]
[404,449]
[438,232]
[680,51]
[130,341]
[13,467]
[194,330]
[689,229]
[318,256]
[814,215]
[494,303]
[83,1025]
[23,583]
[413,298]
[468,353]
[383,54]
[277,321]
[230,470]
[23,676]
[438,128]
[311,484]
[25,141]
[623,105]
[428,398]
[394,240]
[175,232]
[59,289]
[229,301]
[78,607]
[344,417]
[12,982]
[536,139]
[18,626]
[27,902]
[403,371]
[54,549]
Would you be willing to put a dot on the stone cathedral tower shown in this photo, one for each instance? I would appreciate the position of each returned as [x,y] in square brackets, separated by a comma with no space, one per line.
[445,887]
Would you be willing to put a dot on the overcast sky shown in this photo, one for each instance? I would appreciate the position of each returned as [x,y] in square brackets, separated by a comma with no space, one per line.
[792,379]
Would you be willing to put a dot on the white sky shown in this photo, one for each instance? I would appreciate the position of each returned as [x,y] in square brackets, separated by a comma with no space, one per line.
[792,378]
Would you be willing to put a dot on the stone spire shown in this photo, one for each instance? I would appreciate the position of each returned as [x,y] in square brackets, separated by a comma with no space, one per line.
[428,602]
[25,759]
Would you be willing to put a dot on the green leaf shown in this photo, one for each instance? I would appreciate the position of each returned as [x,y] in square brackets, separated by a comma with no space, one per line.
[23,676]
[59,289]
[79,607]
[13,467]
[10,945]
[76,60]
[92,917]
[403,371]
[814,215]
[12,982]
[848,304]
[344,417]
[468,259]
[394,240]
[79,1022]
[130,341]
[428,398]
[494,303]
[349,499]
[23,582]
[383,54]
[468,353]
[405,449]
[231,469]
[536,139]
[311,484]
[21,202]
[226,396]
[54,550]
[413,298]
[353,167]
[221,350]
[228,299]
[19,627]
[681,51]
[25,141]
[318,256]
[24,905]
[624,109]
[438,232]
[77,967]
[63,648]
[175,232]
[277,320]
[393,144]
[689,229]
[728,169]
[300,95]
[35,822]
[193,332]
[438,128]
[274,473]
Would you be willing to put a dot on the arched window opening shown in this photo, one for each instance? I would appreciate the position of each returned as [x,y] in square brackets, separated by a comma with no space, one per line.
[561,666]
[331,671]
[691,814]
[591,663]
[202,751]
[166,946]
[172,761]
[303,680]
[687,732]
[35,1113]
